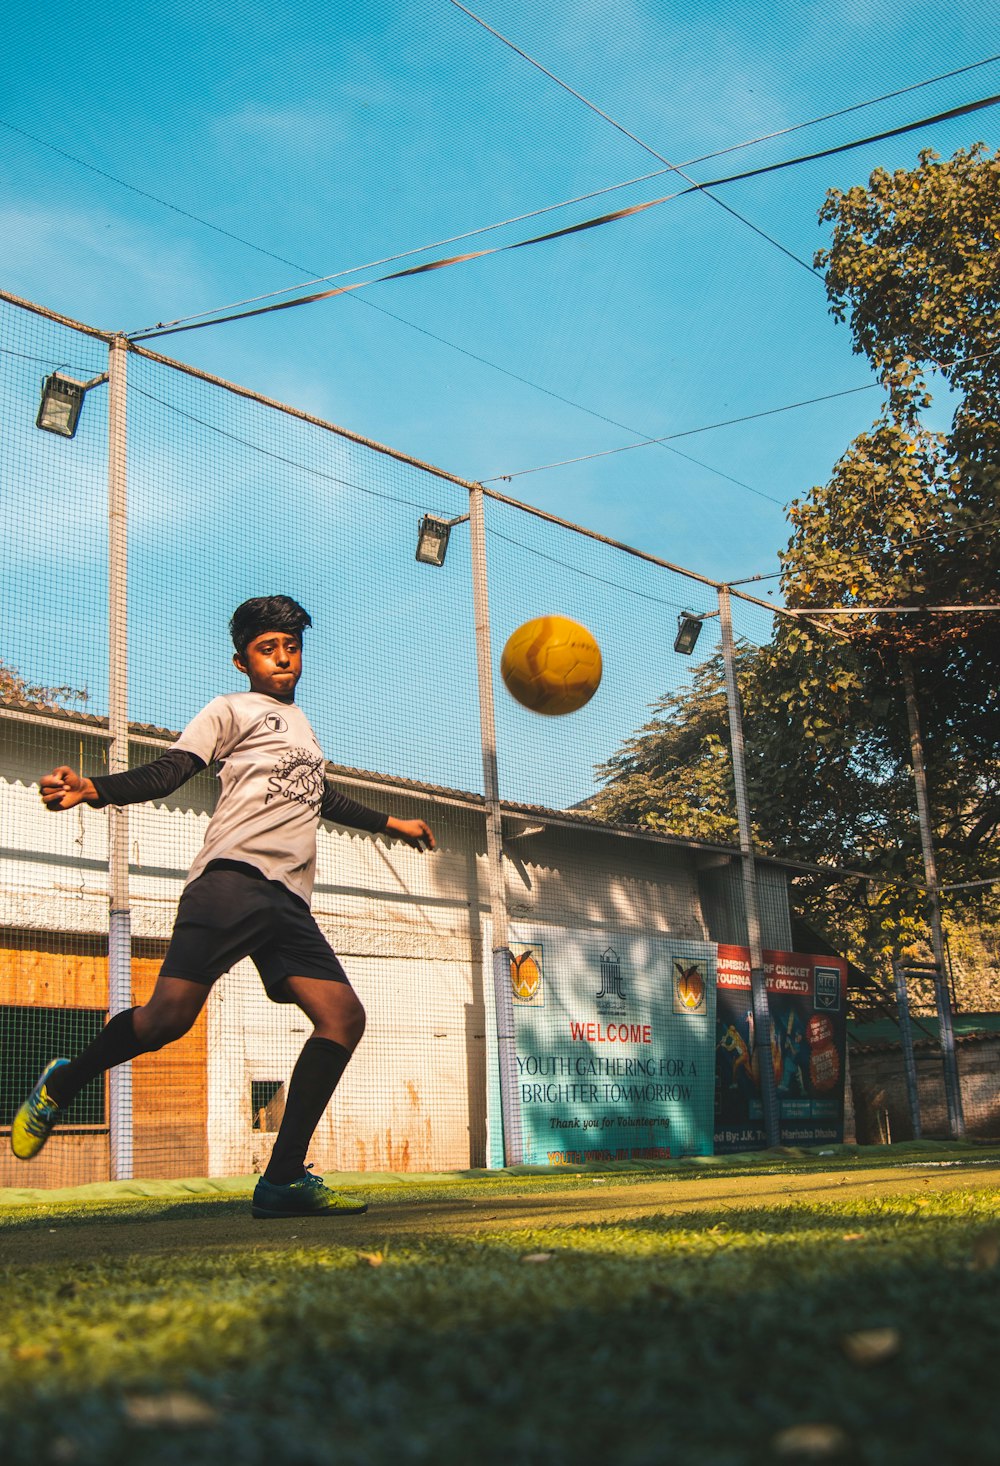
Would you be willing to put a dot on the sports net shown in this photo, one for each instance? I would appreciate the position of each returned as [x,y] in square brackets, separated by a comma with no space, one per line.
[53,681]
[601,861]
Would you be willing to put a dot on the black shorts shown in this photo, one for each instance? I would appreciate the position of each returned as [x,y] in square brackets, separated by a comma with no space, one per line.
[232,911]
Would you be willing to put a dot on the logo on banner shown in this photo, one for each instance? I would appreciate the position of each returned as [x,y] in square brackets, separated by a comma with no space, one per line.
[611,976]
[690,987]
[827,993]
[526,977]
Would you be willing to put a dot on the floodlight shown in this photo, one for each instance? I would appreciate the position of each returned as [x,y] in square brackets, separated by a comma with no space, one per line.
[688,631]
[62,402]
[432,541]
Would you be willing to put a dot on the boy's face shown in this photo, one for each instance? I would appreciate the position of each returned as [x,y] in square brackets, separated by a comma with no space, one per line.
[273,662]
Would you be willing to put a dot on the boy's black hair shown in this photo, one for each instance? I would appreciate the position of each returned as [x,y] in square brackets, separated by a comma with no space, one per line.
[266,613]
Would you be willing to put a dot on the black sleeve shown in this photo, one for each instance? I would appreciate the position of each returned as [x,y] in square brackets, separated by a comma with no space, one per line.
[148,781]
[344,811]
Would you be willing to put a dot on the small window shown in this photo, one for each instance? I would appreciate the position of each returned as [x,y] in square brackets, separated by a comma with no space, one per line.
[267,1103]
[29,1038]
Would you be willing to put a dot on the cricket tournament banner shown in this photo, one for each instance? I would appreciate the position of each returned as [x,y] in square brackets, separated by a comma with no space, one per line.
[614,1035]
[807,999]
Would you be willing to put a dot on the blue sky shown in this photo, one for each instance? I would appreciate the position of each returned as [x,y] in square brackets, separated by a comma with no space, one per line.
[311,140]
[336,135]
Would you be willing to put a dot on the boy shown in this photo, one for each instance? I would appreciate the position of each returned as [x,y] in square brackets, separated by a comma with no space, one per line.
[247,895]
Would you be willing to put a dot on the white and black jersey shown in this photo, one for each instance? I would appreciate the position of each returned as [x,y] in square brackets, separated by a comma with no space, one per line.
[273,789]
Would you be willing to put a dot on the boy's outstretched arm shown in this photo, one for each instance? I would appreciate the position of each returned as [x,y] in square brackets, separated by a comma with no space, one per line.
[64,788]
[342,810]
[414,832]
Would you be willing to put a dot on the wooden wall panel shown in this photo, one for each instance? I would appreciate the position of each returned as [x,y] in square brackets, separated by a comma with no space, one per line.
[169,1088]
[40,971]
[169,1095]
[71,1158]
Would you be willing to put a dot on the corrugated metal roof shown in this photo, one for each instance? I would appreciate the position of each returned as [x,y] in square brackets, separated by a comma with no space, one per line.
[577,817]
[882,1035]
[96,723]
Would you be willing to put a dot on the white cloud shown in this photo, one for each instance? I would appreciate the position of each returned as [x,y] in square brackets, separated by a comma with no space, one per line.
[86,258]
[298,133]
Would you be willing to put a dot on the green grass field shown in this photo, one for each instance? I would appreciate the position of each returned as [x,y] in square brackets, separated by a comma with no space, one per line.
[800,1308]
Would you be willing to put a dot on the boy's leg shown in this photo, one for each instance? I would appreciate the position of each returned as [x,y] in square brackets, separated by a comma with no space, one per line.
[172,1009]
[338,1020]
[170,1012]
[287,1189]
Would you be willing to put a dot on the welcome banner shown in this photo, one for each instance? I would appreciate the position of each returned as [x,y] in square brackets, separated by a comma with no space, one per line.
[614,1033]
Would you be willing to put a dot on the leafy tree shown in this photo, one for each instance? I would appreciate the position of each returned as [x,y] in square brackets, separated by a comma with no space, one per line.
[675,774]
[908,518]
[909,515]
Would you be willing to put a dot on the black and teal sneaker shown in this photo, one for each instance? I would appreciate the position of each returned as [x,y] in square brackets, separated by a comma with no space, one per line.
[305,1197]
[32,1125]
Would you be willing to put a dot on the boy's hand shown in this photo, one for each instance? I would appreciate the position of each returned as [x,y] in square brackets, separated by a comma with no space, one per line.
[415,832]
[63,788]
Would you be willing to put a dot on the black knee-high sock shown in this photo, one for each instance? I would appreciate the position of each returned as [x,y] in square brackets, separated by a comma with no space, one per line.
[314,1078]
[116,1043]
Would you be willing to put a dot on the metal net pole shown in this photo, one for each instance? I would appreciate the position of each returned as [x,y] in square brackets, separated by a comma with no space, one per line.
[758,982]
[119,926]
[506,1042]
[953,1093]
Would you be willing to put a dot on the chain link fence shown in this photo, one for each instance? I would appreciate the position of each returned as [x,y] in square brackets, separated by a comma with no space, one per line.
[553,969]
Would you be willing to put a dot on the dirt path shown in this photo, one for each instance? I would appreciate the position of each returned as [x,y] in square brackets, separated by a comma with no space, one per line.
[180,1228]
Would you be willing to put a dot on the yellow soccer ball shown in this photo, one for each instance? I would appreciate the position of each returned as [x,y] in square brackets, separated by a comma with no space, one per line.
[551,665]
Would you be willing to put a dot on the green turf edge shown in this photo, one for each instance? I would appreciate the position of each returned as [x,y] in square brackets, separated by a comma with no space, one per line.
[201,1186]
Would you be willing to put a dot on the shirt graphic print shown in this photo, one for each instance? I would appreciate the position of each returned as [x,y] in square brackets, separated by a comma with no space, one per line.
[298,776]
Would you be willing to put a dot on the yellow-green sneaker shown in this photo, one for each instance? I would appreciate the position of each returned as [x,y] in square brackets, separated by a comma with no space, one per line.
[32,1125]
[305,1197]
